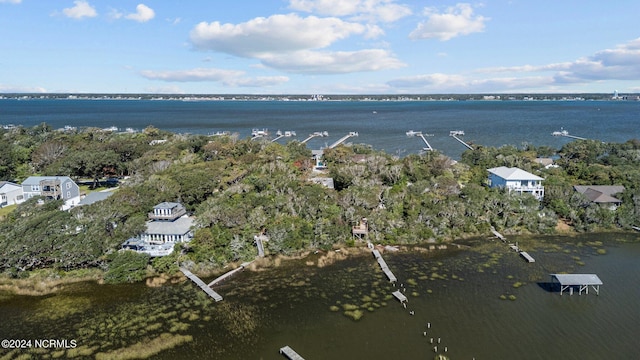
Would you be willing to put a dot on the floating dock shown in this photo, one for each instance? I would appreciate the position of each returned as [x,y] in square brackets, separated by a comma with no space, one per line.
[383,265]
[290,353]
[217,297]
[400,296]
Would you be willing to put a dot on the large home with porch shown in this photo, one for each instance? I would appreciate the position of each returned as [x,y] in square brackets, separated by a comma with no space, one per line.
[518,180]
[601,194]
[10,193]
[168,225]
[52,187]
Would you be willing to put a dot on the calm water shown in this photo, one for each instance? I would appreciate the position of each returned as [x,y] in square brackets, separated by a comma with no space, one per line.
[380,124]
[457,291]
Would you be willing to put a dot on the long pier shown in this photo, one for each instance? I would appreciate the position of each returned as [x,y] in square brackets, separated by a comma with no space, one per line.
[343,139]
[421,135]
[513,247]
[229,273]
[454,134]
[290,353]
[565,133]
[383,265]
[217,297]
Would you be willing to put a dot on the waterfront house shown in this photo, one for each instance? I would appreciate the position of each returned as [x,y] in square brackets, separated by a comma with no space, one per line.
[52,187]
[518,180]
[601,194]
[168,225]
[10,193]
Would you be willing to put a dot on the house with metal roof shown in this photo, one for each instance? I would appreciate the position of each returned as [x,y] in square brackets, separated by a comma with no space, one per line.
[515,179]
[52,187]
[169,225]
[10,194]
[601,194]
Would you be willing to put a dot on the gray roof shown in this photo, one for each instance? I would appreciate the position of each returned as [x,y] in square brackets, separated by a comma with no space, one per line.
[94,197]
[3,183]
[167,205]
[577,279]
[328,182]
[600,193]
[35,180]
[513,173]
[179,226]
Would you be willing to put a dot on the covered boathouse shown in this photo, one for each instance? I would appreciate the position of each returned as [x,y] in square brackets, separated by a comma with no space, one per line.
[580,281]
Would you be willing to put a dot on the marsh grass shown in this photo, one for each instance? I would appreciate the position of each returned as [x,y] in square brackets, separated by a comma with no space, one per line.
[146,348]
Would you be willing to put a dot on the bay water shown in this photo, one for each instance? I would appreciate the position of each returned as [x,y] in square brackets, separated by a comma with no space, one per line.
[482,302]
[381,124]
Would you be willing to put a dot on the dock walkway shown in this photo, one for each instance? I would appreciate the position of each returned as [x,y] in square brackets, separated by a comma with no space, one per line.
[290,353]
[229,273]
[383,266]
[217,297]
[400,296]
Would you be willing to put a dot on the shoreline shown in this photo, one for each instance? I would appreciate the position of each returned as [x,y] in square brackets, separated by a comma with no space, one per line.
[42,283]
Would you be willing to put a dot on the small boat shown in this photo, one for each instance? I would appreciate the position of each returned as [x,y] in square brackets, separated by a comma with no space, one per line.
[259,133]
[562,132]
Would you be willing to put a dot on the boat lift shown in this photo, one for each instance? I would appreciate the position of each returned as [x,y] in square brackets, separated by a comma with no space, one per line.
[280,135]
[419,133]
[315,134]
[343,139]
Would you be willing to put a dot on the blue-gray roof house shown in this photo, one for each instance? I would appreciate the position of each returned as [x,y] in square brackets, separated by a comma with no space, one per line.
[52,187]
[518,180]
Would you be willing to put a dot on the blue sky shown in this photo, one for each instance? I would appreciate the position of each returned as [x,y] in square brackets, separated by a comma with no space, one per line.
[319,46]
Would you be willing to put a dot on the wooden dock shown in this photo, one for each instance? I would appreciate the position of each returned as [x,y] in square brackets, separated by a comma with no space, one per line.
[383,266]
[497,234]
[290,353]
[400,296]
[229,273]
[527,257]
[209,291]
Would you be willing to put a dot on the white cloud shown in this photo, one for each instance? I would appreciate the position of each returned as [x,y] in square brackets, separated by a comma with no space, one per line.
[227,77]
[21,89]
[619,63]
[455,21]
[143,14]
[80,10]
[275,34]
[455,83]
[11,1]
[338,62]
[290,43]
[373,10]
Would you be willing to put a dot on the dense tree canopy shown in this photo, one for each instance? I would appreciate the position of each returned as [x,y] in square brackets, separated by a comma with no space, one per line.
[238,188]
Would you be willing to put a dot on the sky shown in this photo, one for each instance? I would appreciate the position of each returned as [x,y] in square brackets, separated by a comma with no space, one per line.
[319,46]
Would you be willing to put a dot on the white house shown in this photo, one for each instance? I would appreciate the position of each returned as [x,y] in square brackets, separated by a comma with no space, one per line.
[518,180]
[10,193]
[169,224]
[52,187]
